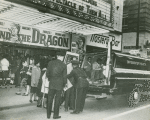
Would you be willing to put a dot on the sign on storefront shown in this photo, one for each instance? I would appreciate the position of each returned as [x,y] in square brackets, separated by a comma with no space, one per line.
[101,40]
[17,33]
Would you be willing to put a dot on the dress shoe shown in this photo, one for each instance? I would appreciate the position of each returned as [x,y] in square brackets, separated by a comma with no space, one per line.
[57,117]
[18,93]
[75,112]
[30,101]
[39,105]
[25,94]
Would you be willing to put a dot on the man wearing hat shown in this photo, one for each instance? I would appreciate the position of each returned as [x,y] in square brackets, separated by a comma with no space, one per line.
[81,86]
[56,74]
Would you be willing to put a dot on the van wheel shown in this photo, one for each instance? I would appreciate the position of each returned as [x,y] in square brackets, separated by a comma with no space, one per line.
[134,97]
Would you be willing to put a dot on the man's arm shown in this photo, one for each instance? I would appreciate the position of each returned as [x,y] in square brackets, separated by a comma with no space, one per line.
[65,76]
[33,74]
[48,70]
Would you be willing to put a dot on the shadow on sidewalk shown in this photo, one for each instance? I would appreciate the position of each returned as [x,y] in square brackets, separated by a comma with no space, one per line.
[17,106]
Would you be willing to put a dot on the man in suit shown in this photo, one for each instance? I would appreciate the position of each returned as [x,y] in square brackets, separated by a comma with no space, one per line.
[81,86]
[56,74]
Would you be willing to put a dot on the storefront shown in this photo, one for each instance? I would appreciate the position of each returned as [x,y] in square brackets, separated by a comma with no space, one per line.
[45,26]
[21,39]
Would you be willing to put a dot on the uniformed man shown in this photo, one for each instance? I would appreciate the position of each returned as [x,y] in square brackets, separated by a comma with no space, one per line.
[81,86]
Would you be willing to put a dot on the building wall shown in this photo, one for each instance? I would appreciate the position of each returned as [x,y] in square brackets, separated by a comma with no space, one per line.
[118,12]
[131,9]
[129,42]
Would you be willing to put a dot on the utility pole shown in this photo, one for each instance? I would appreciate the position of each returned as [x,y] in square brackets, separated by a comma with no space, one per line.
[138,21]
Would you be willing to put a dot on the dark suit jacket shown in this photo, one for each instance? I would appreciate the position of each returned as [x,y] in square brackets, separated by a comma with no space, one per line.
[57,74]
[79,78]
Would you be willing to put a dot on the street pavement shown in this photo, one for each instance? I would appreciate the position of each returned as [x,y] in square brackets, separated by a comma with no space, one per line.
[17,107]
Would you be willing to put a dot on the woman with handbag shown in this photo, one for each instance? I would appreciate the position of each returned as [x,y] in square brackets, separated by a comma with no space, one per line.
[81,86]
[40,88]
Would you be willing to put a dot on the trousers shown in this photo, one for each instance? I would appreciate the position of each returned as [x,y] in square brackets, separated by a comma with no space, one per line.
[69,98]
[4,76]
[51,94]
[80,95]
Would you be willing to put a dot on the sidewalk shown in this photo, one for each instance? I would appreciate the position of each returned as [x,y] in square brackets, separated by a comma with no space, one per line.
[9,98]
[18,107]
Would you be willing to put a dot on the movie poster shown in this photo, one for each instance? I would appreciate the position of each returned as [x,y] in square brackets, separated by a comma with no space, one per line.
[78,45]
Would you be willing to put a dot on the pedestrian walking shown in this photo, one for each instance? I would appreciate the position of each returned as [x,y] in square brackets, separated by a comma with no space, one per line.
[35,76]
[4,68]
[81,86]
[56,74]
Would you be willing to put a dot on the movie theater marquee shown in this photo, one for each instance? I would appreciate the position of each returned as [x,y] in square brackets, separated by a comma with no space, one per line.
[96,11]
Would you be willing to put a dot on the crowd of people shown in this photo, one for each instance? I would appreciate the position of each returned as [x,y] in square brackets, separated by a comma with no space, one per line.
[44,79]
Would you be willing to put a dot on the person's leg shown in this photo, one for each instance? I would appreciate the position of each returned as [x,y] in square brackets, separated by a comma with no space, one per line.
[67,94]
[57,103]
[5,77]
[2,77]
[35,91]
[20,88]
[27,90]
[31,94]
[16,81]
[51,94]
[45,101]
[72,98]
[83,97]
[78,94]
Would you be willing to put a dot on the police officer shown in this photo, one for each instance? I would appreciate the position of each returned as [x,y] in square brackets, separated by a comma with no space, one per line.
[81,86]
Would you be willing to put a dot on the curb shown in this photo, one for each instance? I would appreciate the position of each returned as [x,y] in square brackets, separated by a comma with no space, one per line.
[7,86]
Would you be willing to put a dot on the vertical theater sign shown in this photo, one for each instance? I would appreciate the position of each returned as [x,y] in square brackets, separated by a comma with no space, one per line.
[16,33]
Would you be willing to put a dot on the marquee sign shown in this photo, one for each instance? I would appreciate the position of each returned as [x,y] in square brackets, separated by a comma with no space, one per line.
[91,10]
[16,33]
[101,40]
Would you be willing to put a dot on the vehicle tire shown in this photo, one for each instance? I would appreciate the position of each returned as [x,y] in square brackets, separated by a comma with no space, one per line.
[134,97]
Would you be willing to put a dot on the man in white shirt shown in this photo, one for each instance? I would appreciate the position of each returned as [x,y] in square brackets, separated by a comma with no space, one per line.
[96,70]
[4,67]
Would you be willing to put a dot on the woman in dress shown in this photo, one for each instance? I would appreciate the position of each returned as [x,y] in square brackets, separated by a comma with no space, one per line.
[29,77]
[35,76]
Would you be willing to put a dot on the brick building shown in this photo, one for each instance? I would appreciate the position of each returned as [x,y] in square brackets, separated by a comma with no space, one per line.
[136,20]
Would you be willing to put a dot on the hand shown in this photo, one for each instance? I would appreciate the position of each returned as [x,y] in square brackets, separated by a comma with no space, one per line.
[85,66]
[66,85]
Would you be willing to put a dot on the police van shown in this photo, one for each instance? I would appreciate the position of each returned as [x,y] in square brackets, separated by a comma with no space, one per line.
[124,74]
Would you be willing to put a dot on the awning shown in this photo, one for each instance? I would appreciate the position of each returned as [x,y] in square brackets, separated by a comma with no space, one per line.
[29,16]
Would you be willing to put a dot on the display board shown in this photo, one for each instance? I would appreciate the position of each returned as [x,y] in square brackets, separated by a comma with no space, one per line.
[101,40]
[22,34]
[96,11]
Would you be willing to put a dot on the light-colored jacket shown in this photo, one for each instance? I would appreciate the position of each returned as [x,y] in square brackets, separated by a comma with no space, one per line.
[4,64]
[35,76]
